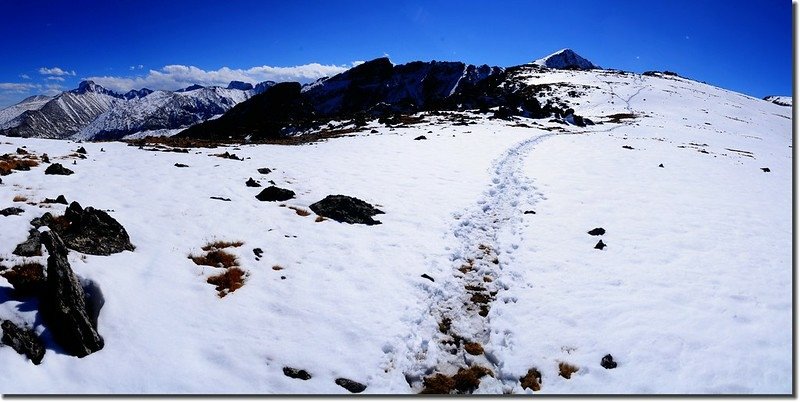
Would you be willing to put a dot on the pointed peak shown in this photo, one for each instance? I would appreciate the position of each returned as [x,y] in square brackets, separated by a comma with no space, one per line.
[88,86]
[565,59]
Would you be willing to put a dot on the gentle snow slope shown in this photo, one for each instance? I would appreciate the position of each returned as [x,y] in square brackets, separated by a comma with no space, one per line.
[692,294]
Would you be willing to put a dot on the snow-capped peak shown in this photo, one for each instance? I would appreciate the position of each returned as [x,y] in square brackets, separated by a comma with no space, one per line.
[90,86]
[565,59]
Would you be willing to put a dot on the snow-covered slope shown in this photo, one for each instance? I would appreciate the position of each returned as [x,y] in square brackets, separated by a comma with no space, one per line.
[164,110]
[565,59]
[693,293]
[10,113]
[779,100]
[64,114]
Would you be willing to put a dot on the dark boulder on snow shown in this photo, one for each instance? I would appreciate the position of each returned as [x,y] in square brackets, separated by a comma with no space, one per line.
[296,373]
[31,247]
[181,165]
[661,165]
[11,211]
[608,362]
[58,169]
[252,183]
[530,212]
[600,245]
[44,220]
[23,341]
[273,193]
[627,147]
[92,231]
[59,200]
[421,137]
[64,306]
[81,150]
[264,170]
[342,208]
[597,232]
[350,385]
[765,170]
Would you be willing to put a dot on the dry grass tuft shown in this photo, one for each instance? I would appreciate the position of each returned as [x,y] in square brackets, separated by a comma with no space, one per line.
[473,348]
[20,198]
[216,258]
[532,380]
[220,244]
[14,162]
[300,211]
[228,281]
[438,384]
[277,268]
[319,219]
[26,278]
[565,369]
[466,381]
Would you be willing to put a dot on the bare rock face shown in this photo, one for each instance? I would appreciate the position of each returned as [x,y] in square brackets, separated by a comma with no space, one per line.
[23,341]
[64,306]
[92,231]
[30,247]
[343,208]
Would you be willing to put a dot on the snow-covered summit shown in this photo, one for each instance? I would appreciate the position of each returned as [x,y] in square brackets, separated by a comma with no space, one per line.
[565,59]
[779,100]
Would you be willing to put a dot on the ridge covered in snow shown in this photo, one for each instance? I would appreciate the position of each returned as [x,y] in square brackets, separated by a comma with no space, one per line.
[779,100]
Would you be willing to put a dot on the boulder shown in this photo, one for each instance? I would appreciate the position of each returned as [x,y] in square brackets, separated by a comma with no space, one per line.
[59,200]
[273,193]
[58,169]
[350,385]
[23,341]
[264,170]
[597,232]
[81,150]
[600,245]
[608,362]
[11,211]
[252,183]
[296,373]
[64,306]
[31,247]
[421,137]
[342,208]
[92,231]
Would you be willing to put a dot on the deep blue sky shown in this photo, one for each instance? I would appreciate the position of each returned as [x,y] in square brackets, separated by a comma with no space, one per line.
[741,45]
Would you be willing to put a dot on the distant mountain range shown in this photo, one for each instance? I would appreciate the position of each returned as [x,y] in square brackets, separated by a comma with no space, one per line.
[375,89]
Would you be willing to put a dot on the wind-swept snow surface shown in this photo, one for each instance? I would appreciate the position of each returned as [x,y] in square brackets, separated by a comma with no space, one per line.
[691,295]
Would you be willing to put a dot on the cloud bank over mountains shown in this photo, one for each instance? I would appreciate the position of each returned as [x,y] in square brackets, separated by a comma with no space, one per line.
[177,76]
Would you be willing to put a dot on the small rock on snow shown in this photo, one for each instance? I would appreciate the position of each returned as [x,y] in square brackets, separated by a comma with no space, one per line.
[608,362]
[597,232]
[350,385]
[600,245]
[296,373]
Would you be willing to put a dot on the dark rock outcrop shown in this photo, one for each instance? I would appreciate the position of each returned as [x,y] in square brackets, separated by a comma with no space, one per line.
[342,208]
[264,170]
[30,247]
[23,341]
[58,169]
[252,183]
[92,231]
[64,306]
[350,385]
[421,137]
[600,245]
[597,232]
[296,373]
[608,362]
[273,193]
[59,200]
[11,211]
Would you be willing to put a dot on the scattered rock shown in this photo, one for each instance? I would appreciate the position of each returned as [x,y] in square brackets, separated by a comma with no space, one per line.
[296,373]
[608,362]
[27,279]
[92,231]
[473,348]
[532,380]
[58,169]
[64,306]
[627,147]
[428,277]
[44,220]
[23,341]
[181,165]
[81,150]
[421,137]
[31,247]
[45,158]
[373,131]
[597,232]
[600,245]
[273,193]
[258,252]
[350,385]
[220,198]
[661,165]
[11,211]
[530,212]
[765,170]
[342,208]
[59,200]
[264,170]
[228,155]
[252,183]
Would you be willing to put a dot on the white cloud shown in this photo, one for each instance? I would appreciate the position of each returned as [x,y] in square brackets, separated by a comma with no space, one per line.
[54,78]
[25,76]
[174,77]
[55,71]
[17,87]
